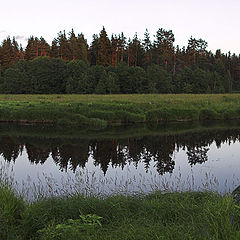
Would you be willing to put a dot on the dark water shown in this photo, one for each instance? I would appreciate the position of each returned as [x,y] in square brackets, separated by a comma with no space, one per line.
[189,156]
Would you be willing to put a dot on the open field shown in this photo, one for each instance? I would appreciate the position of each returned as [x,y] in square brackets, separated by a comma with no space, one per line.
[102,110]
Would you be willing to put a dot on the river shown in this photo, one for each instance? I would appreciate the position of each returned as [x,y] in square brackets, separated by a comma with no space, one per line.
[45,160]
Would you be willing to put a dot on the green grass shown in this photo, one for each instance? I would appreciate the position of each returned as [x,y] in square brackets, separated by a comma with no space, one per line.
[188,215]
[11,208]
[102,110]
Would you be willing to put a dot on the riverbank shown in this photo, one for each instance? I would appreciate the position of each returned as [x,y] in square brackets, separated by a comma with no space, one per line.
[189,215]
[102,110]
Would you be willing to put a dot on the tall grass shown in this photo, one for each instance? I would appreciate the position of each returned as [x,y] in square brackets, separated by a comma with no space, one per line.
[11,208]
[73,213]
[189,215]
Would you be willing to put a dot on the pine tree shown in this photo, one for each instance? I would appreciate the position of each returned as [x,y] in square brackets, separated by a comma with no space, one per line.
[32,49]
[114,44]
[44,48]
[82,53]
[104,56]
[196,47]
[54,52]
[163,50]
[113,83]
[121,47]
[9,53]
[73,45]
[94,50]
[135,52]
[64,46]
[147,45]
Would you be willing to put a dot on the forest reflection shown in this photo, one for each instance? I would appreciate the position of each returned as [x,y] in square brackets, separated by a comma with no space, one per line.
[71,154]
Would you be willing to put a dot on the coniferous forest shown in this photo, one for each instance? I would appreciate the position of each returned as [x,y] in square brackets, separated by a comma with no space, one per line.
[116,65]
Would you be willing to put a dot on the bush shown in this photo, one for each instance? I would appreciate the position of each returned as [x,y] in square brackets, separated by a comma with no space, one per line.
[72,229]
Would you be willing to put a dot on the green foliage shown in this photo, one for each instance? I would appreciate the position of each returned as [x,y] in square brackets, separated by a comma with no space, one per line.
[11,208]
[208,114]
[72,229]
[138,80]
[124,78]
[141,66]
[13,81]
[77,81]
[159,80]
[113,83]
[200,81]
[58,76]
[43,75]
[102,84]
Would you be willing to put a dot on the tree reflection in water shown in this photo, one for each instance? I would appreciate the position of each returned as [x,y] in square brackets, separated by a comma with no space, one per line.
[71,154]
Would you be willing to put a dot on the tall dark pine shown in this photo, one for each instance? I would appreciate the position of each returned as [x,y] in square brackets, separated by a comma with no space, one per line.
[196,47]
[44,48]
[64,46]
[163,47]
[121,47]
[82,53]
[54,52]
[73,45]
[9,54]
[114,44]
[32,49]
[93,50]
[135,52]
[147,45]
[104,56]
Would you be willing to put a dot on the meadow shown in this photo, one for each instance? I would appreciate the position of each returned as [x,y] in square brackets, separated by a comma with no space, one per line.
[103,110]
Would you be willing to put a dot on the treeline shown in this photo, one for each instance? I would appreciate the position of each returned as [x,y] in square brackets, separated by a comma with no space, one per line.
[115,65]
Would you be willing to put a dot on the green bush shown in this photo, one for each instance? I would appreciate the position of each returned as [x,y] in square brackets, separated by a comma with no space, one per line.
[72,229]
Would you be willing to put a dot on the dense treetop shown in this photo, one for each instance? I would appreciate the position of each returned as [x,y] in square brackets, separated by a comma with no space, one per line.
[116,65]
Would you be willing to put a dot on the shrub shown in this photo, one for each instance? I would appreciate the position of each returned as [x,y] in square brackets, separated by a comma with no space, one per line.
[72,229]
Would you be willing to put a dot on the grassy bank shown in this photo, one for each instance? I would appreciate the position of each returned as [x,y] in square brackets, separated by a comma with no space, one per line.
[191,215]
[102,110]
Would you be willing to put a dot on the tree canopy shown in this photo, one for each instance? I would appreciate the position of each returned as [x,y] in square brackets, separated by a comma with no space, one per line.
[116,65]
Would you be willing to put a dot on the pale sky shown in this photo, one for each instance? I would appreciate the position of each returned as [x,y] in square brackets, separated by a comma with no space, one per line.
[215,21]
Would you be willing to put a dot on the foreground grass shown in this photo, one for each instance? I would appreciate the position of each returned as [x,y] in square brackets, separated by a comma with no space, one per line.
[190,215]
[102,110]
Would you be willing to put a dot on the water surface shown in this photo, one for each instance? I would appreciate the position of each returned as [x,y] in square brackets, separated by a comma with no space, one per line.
[186,156]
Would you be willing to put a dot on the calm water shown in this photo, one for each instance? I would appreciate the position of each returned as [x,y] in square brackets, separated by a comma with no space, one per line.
[131,159]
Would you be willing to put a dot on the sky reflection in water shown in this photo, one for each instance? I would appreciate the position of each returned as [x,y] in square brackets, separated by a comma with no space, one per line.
[195,160]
